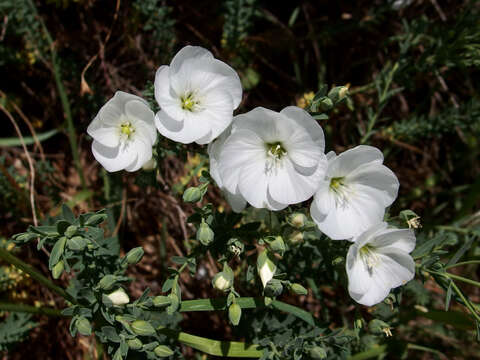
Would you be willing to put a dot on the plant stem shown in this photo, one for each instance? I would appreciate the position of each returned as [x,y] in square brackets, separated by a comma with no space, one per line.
[30,309]
[214,347]
[72,137]
[245,303]
[11,259]
[463,263]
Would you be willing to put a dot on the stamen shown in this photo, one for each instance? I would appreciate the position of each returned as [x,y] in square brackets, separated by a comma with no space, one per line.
[127,129]
[275,152]
[369,256]
[188,102]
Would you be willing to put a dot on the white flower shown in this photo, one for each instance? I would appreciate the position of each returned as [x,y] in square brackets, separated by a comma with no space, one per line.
[400,4]
[378,261]
[119,297]
[123,133]
[273,159]
[354,193]
[197,95]
[236,201]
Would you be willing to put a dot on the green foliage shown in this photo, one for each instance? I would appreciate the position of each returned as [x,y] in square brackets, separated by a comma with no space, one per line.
[239,16]
[14,329]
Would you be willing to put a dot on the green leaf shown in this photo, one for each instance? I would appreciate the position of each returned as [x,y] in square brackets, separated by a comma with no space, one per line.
[57,252]
[29,140]
[67,214]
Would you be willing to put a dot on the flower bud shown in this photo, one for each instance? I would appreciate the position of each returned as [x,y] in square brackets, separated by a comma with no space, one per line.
[83,326]
[296,237]
[298,289]
[235,246]
[134,255]
[142,327]
[266,266]
[204,234]
[58,269]
[135,344]
[106,283]
[234,313]
[221,282]
[378,327]
[277,245]
[274,288]
[70,231]
[318,352]
[149,165]
[77,243]
[338,93]
[297,220]
[326,104]
[163,351]
[119,297]
[192,195]
[23,238]
[161,301]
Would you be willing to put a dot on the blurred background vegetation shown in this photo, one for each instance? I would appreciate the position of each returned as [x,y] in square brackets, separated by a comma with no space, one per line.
[413,72]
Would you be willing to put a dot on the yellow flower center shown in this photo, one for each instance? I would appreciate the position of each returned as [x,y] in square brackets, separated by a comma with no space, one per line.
[127,129]
[371,259]
[336,183]
[276,150]
[188,102]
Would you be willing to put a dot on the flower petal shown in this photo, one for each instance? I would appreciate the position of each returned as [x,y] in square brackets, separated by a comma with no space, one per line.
[349,160]
[395,239]
[241,148]
[305,120]
[395,268]
[113,158]
[379,178]
[186,131]
[189,52]
[144,154]
[168,100]
[106,135]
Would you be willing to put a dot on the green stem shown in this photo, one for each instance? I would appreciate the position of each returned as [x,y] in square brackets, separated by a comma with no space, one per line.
[214,347]
[30,309]
[245,303]
[456,277]
[72,137]
[34,274]
[463,263]
[466,302]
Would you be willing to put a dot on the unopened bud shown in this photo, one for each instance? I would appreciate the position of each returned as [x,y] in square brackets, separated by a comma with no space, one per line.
[297,220]
[134,255]
[326,104]
[274,288]
[142,327]
[204,234]
[318,352]
[338,93]
[83,326]
[163,351]
[296,237]
[106,283]
[58,269]
[192,195]
[298,289]
[234,314]
[149,165]
[277,245]
[119,297]
[161,301]
[135,344]
[224,279]
[266,266]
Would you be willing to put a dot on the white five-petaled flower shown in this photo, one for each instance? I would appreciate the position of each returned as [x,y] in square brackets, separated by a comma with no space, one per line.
[236,201]
[354,193]
[123,133]
[378,261]
[273,159]
[197,95]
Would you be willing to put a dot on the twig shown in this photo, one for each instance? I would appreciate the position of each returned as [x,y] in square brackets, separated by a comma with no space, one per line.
[30,164]
[122,212]
[84,88]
